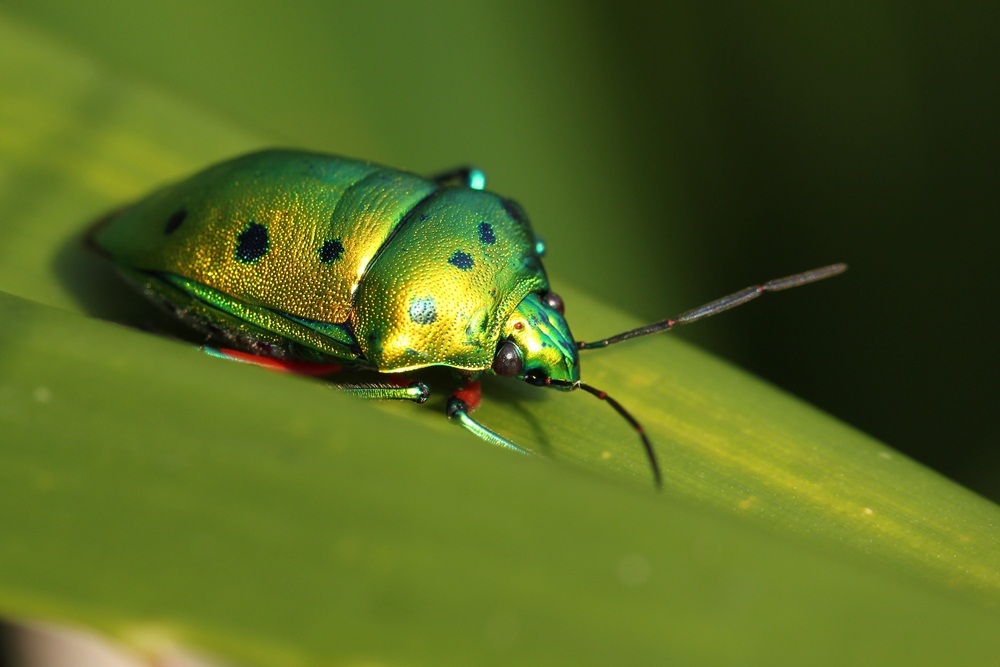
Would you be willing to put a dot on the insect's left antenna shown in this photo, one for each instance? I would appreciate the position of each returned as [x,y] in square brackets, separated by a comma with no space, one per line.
[723,304]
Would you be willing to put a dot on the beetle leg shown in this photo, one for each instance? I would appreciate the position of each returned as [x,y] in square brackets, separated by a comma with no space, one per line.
[408,391]
[398,390]
[470,177]
[464,401]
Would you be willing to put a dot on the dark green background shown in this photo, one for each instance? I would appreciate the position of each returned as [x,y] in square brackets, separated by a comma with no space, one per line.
[669,153]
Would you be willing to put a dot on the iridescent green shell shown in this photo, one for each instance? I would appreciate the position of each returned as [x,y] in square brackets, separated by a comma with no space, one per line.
[320,256]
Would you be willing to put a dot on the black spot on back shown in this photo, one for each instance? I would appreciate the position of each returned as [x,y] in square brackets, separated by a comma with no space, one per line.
[515,211]
[331,251]
[174,221]
[252,243]
[462,260]
[486,234]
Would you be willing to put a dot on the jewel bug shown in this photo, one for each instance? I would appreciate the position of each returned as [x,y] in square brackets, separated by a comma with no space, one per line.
[313,263]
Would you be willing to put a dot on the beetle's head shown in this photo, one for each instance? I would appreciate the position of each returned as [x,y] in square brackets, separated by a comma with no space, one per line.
[536,345]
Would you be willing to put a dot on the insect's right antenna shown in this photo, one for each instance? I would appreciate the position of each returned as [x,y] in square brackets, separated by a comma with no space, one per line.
[723,304]
[620,409]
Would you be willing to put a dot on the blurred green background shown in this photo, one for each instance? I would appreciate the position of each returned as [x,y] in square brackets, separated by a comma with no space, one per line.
[669,153]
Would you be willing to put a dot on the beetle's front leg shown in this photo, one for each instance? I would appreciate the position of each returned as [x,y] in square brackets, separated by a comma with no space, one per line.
[464,401]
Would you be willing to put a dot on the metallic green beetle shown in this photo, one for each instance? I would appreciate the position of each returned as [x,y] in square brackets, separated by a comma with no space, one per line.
[305,257]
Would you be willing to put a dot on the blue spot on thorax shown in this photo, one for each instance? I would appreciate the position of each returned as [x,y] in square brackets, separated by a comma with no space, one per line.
[486,234]
[462,260]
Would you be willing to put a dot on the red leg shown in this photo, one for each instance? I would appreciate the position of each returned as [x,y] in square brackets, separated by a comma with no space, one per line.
[471,394]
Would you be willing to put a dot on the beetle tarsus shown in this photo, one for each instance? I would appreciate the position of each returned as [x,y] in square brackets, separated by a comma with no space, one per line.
[458,410]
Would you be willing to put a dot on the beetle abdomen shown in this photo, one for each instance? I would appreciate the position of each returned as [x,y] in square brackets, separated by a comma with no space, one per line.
[289,230]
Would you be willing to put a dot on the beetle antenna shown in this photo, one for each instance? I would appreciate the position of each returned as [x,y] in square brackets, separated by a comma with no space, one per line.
[650,454]
[720,305]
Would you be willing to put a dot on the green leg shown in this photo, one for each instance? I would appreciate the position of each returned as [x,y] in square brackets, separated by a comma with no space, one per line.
[413,391]
[459,408]
[470,177]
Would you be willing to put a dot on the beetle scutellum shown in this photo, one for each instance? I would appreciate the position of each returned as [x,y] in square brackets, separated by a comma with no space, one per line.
[312,262]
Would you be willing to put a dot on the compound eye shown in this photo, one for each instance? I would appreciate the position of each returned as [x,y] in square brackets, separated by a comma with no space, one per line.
[507,363]
[555,302]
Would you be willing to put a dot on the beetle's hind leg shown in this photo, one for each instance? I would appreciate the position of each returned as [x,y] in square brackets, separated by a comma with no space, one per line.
[464,401]
[393,390]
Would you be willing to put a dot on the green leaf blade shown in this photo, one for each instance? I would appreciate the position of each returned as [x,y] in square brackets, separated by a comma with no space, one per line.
[160,495]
